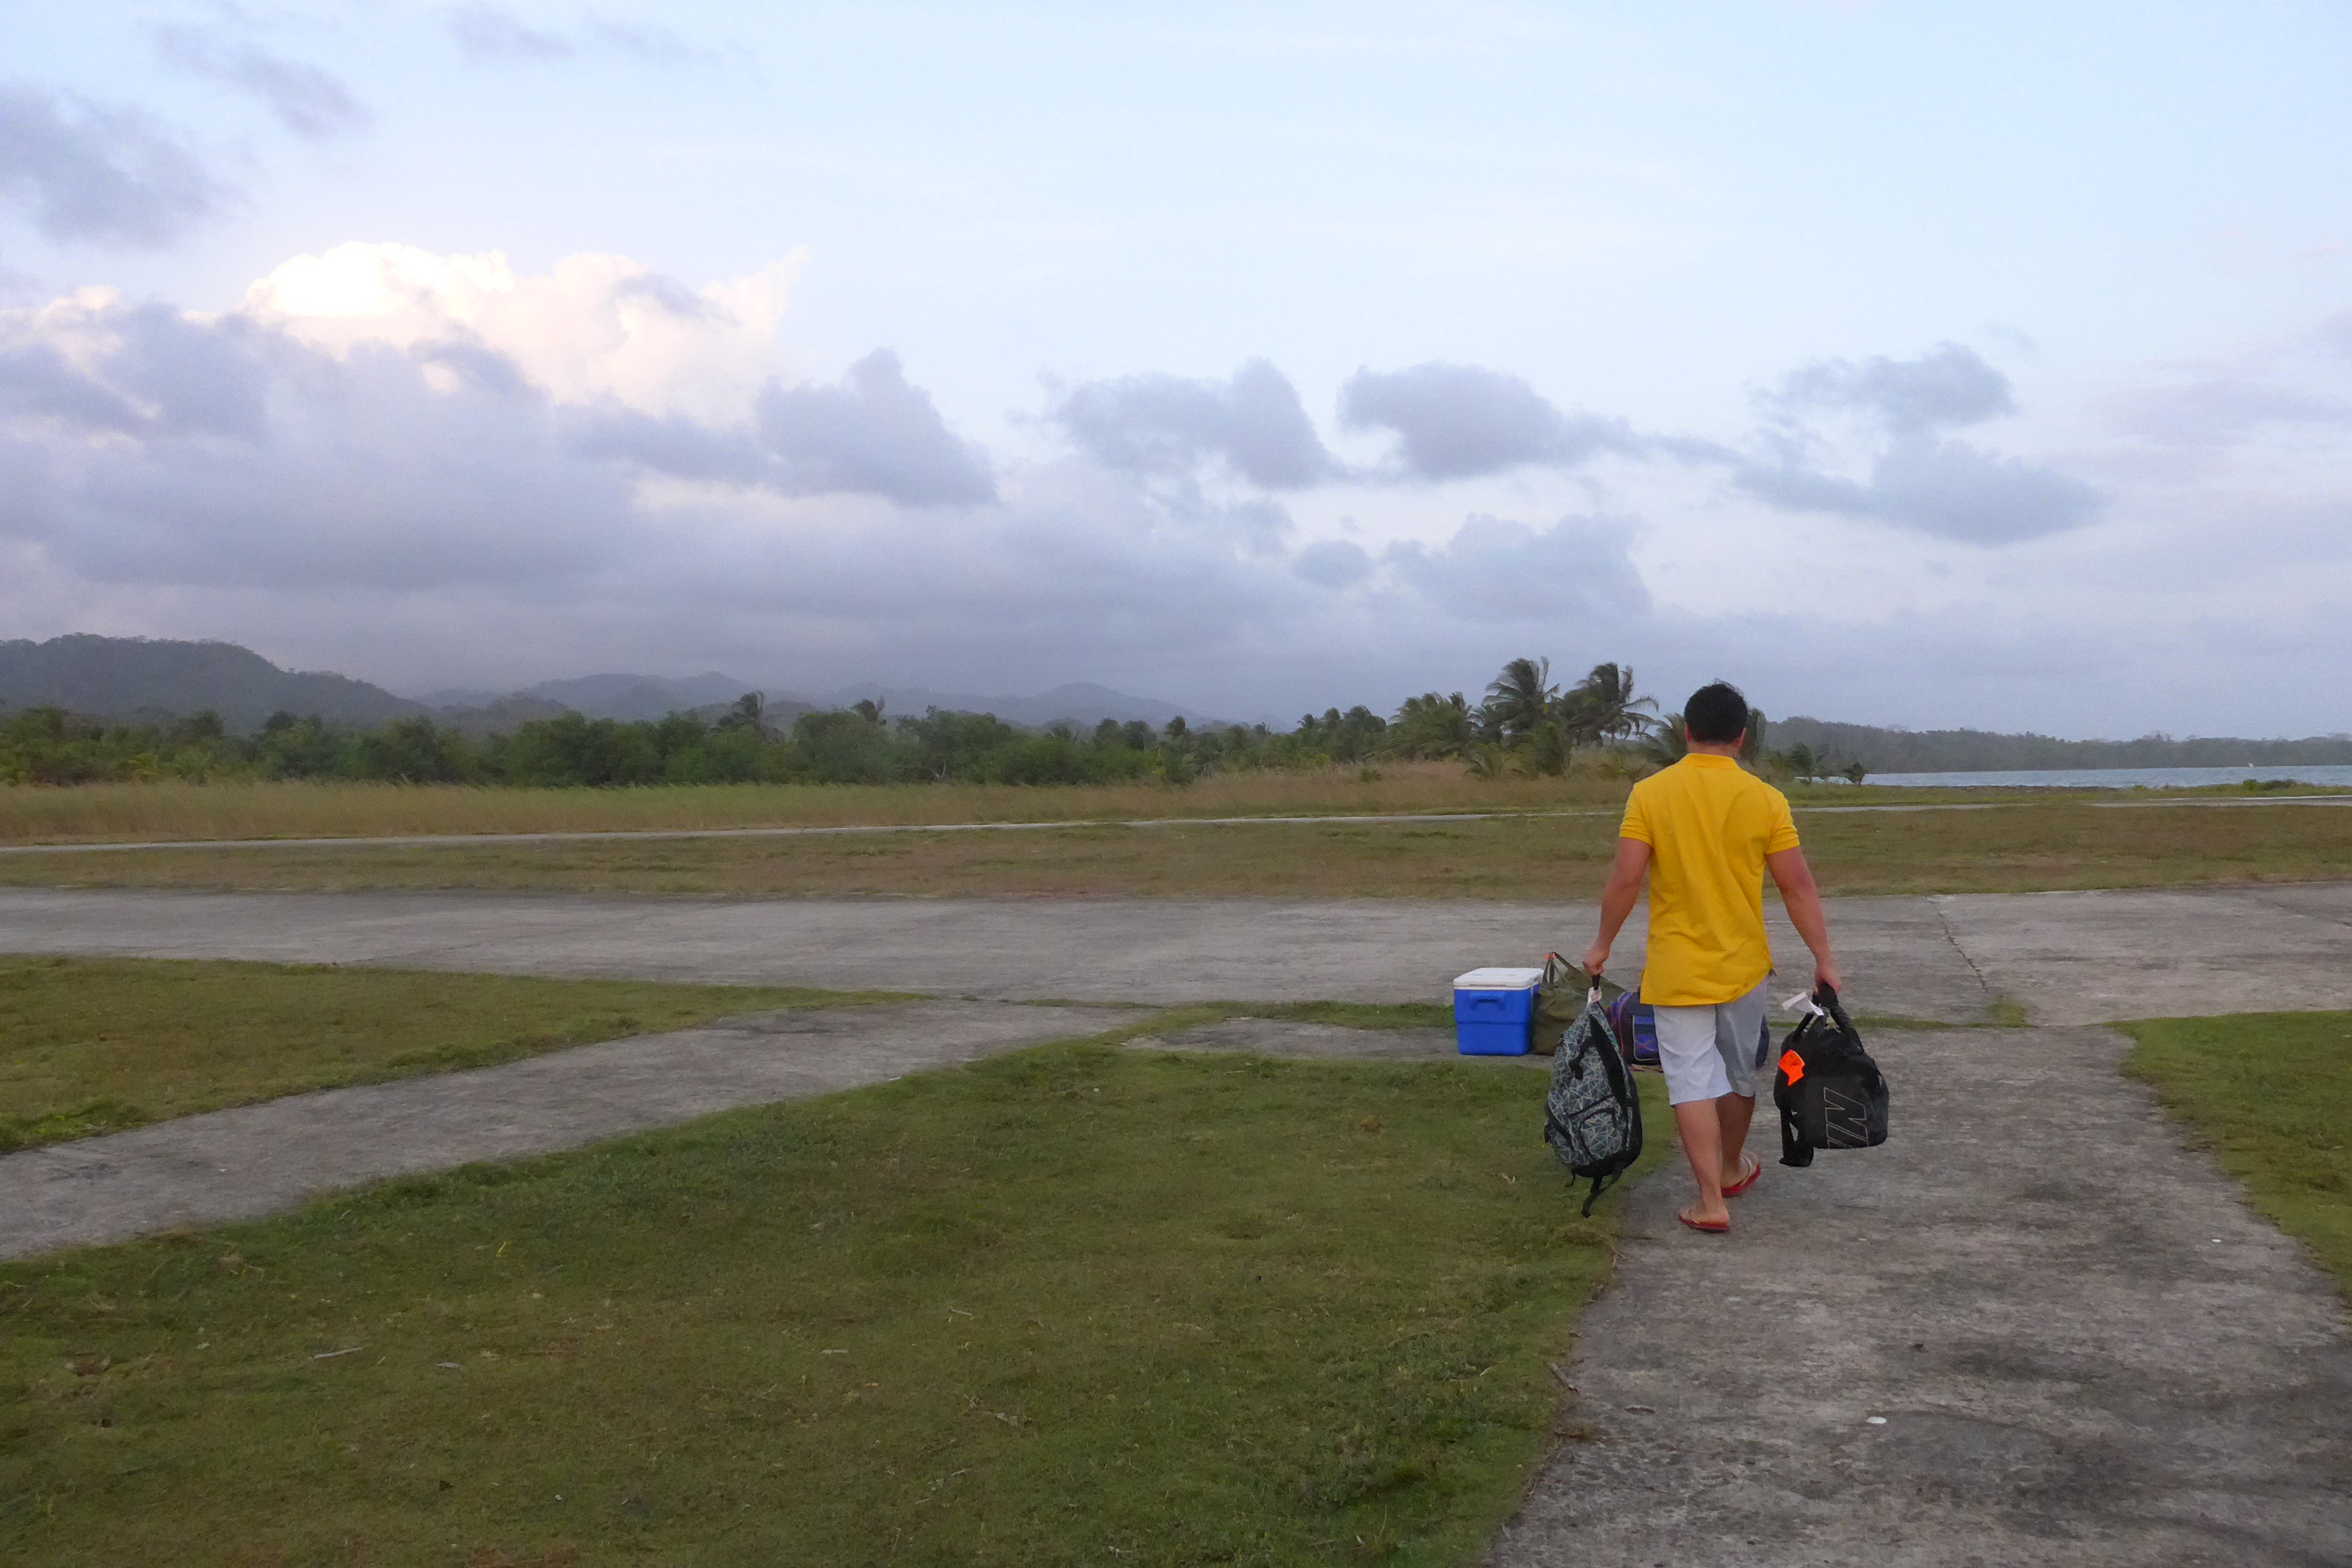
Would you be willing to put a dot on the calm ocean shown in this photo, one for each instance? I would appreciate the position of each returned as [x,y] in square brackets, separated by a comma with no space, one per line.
[2122,778]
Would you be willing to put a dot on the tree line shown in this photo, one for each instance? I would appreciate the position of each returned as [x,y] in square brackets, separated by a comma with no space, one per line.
[1524,723]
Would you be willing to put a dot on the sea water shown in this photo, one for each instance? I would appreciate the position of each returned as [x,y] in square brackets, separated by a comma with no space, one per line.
[2124,778]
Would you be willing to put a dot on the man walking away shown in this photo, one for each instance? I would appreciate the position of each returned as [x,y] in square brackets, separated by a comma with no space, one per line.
[1705,831]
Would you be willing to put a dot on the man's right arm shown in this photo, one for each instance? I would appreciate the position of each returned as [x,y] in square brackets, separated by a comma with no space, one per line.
[1617,900]
[1803,903]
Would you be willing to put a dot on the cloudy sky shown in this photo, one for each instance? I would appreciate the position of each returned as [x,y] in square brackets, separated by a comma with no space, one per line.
[1917,364]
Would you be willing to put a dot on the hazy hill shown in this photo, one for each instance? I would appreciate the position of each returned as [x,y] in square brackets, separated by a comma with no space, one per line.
[1973,751]
[627,696]
[153,680]
[110,677]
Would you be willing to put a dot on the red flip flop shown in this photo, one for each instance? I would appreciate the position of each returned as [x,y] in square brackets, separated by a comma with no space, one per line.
[1711,1228]
[1755,1172]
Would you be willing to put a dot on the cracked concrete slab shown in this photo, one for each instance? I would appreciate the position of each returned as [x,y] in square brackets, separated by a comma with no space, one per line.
[2093,957]
[2031,1330]
[261,1159]
[1157,951]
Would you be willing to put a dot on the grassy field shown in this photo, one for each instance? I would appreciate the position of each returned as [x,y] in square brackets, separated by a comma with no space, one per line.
[1072,1306]
[93,1045]
[2271,1095]
[99,813]
[2050,844]
[172,810]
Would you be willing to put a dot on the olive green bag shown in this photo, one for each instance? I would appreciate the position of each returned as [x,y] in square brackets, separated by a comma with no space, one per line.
[1560,996]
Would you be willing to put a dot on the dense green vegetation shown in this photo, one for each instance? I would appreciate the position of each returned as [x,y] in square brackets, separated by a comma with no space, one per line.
[48,746]
[1077,1305]
[1525,724]
[2271,1094]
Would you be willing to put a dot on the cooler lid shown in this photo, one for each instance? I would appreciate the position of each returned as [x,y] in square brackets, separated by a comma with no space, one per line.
[1498,980]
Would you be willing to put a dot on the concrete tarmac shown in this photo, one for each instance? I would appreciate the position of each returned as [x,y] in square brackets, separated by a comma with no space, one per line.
[2030,1329]
[2068,958]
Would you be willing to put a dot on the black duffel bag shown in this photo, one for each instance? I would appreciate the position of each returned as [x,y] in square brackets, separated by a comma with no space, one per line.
[1829,1093]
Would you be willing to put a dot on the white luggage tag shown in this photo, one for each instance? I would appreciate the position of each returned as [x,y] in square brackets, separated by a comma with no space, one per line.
[1803,1005]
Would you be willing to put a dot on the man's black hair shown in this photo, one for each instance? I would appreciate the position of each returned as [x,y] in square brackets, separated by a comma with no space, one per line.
[1716,714]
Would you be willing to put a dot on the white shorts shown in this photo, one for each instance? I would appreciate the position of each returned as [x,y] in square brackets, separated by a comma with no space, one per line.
[1710,1052]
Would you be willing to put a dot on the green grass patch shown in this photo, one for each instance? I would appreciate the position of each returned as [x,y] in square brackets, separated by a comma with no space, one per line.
[97,1045]
[1074,1305]
[1361,1014]
[2271,1095]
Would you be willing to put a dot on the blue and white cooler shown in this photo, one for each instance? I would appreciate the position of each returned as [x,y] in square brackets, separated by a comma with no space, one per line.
[1494,1011]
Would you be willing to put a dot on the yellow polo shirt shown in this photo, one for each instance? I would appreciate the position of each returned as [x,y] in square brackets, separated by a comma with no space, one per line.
[1709,825]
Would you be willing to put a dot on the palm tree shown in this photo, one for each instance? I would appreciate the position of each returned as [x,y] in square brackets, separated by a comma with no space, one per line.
[1520,697]
[1602,706]
[1432,725]
[1665,744]
[1801,762]
[750,712]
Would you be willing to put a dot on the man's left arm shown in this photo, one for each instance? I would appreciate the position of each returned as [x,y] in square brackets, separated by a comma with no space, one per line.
[1803,901]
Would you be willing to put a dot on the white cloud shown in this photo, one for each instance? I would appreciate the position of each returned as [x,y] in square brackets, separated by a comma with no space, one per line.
[593,326]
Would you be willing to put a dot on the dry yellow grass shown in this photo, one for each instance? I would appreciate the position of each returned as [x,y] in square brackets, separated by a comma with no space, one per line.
[100,812]
[2047,845]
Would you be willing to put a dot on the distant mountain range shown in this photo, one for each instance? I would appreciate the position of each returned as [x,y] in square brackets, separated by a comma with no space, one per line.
[1972,751]
[147,679]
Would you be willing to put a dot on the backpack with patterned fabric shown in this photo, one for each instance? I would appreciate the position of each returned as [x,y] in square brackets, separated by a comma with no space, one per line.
[1593,1115]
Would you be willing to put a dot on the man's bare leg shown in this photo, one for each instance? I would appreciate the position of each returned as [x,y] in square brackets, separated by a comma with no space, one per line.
[1732,1114]
[1700,1123]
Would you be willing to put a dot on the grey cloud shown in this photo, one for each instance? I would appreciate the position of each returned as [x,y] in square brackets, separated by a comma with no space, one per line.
[2336,332]
[1257,526]
[352,473]
[109,175]
[491,35]
[680,447]
[308,101]
[157,373]
[2219,410]
[649,42]
[668,294]
[484,366]
[1945,388]
[37,384]
[1333,564]
[1459,421]
[874,432]
[1169,425]
[488,34]
[1919,479]
[1496,569]
[1948,489]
